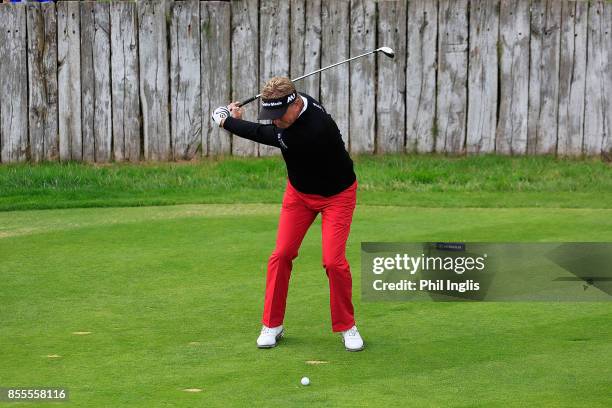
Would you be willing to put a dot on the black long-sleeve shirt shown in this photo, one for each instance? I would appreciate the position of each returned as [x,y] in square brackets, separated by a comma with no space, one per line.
[313,149]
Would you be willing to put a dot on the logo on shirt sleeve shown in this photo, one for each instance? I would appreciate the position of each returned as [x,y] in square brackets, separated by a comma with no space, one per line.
[280,141]
[319,106]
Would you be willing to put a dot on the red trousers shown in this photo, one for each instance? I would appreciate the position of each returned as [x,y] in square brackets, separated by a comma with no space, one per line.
[297,214]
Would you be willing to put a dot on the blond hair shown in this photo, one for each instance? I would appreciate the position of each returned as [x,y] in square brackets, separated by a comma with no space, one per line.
[277,87]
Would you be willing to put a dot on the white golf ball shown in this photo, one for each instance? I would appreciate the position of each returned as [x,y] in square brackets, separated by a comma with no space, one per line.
[305,381]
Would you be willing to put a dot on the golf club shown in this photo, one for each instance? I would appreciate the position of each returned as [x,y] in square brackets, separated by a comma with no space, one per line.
[385,50]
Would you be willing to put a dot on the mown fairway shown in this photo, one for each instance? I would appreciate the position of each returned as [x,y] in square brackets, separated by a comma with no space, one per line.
[168,298]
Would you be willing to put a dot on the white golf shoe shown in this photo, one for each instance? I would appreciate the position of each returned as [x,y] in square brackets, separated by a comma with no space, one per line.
[269,336]
[352,339]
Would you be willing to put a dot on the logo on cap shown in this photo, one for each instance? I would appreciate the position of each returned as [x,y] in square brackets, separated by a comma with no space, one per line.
[270,104]
[278,102]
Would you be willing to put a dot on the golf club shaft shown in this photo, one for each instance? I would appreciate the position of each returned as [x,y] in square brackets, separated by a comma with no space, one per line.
[251,99]
[333,65]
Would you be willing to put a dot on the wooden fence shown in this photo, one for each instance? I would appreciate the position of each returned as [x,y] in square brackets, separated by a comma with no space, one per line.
[102,81]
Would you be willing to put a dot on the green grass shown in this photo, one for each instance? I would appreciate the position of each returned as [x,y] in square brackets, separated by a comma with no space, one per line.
[422,181]
[172,295]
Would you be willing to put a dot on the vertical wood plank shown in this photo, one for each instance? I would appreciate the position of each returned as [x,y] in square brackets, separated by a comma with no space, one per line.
[607,33]
[421,66]
[273,48]
[153,57]
[95,77]
[391,81]
[69,80]
[511,136]
[572,72]
[482,80]
[185,87]
[306,44]
[598,105]
[101,50]
[245,66]
[312,50]
[13,84]
[215,66]
[544,77]
[334,48]
[42,81]
[297,37]
[87,80]
[124,74]
[452,76]
[362,77]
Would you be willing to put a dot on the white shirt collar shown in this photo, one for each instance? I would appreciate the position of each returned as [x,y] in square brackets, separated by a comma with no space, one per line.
[305,105]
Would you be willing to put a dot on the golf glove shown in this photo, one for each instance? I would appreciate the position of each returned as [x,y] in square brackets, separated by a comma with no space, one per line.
[219,114]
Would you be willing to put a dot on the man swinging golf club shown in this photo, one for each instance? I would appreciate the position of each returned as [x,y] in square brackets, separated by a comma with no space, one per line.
[321,180]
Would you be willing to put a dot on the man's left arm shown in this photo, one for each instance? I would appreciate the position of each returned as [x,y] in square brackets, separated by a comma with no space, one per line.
[230,119]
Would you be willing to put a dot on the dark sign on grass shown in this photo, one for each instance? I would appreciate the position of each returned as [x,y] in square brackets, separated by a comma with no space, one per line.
[470,271]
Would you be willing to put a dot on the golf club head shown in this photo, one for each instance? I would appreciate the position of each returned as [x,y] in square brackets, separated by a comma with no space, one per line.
[387,51]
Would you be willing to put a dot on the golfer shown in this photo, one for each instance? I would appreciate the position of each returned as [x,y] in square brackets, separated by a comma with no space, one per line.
[321,180]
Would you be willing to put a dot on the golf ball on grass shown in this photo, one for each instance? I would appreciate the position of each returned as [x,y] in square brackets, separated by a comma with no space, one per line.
[305,381]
